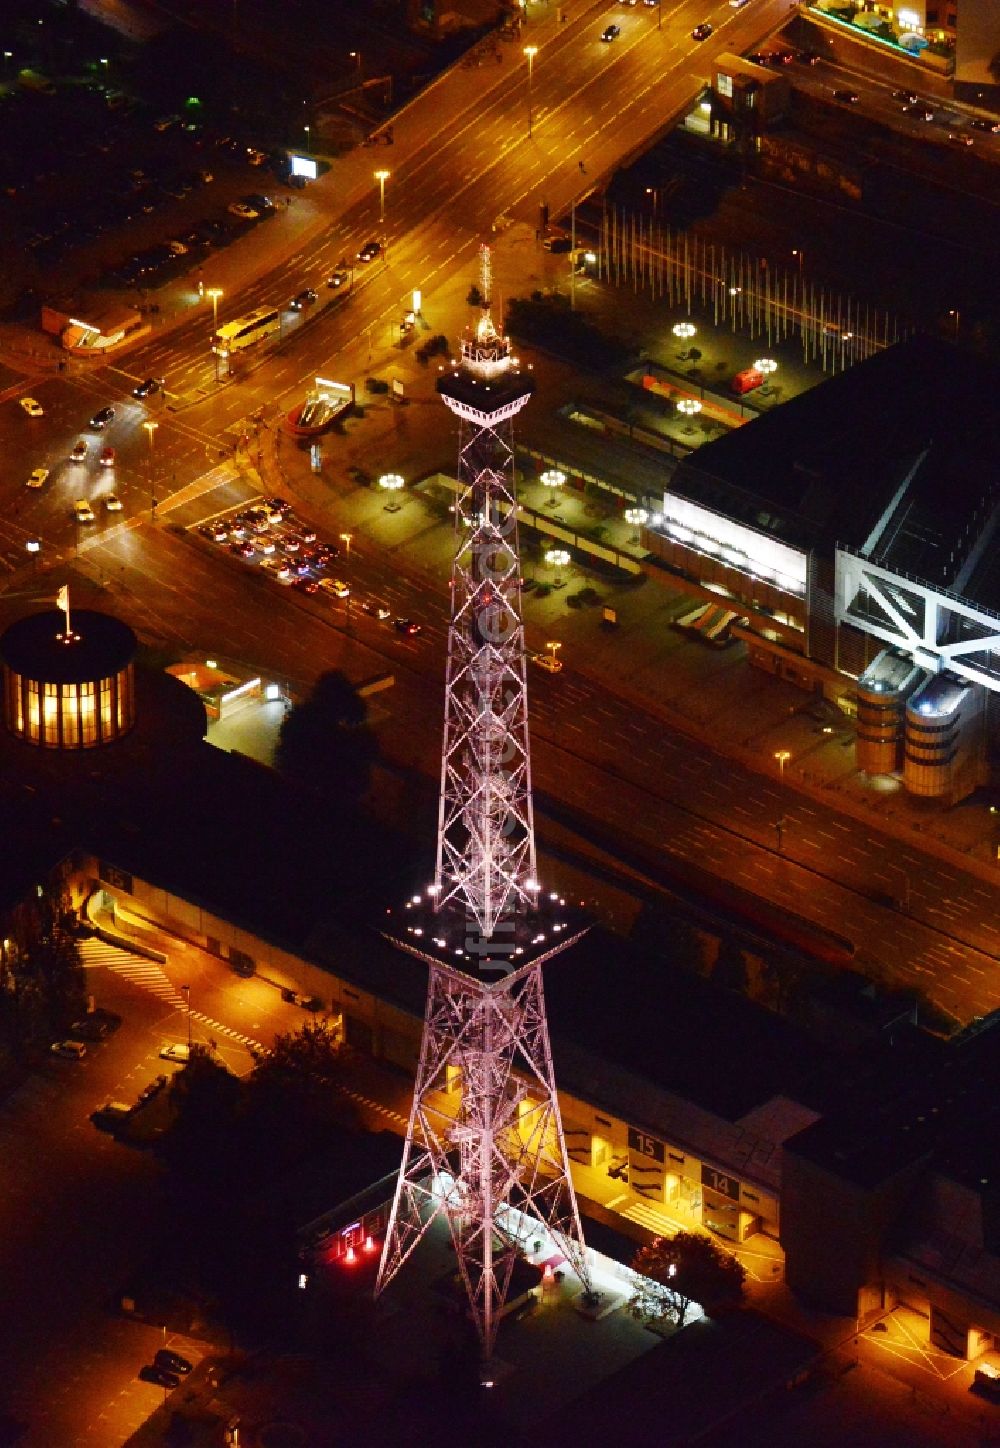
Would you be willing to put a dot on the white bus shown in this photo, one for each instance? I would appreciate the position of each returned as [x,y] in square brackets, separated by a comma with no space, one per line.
[245,331]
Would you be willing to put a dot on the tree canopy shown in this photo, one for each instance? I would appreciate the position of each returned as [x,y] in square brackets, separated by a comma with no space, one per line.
[681,1270]
[326,744]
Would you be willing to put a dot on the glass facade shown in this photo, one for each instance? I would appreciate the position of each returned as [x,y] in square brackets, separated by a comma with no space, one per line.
[70,716]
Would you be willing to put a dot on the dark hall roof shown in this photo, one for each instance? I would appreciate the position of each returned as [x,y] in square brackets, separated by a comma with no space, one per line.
[824,467]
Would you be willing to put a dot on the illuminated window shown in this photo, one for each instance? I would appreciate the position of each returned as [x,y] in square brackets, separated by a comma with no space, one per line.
[724,84]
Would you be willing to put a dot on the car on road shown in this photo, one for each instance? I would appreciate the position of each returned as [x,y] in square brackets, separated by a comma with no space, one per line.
[291,543]
[242,211]
[172,1361]
[738,4]
[112,503]
[905,97]
[96,1025]
[548,662]
[69,1050]
[305,585]
[82,511]
[107,458]
[102,417]
[959,138]
[176,1051]
[179,248]
[32,408]
[38,477]
[848,97]
[370,251]
[610,32]
[702,31]
[146,388]
[304,298]
[307,534]
[219,532]
[918,111]
[336,586]
[79,453]
[376,609]
[407,626]
[279,505]
[162,1377]
[978,123]
[242,548]
[300,998]
[267,547]
[339,278]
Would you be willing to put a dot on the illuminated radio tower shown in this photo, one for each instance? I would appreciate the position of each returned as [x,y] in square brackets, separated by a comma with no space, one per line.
[485,1143]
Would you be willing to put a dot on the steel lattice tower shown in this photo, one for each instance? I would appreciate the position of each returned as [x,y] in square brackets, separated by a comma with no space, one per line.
[494,1161]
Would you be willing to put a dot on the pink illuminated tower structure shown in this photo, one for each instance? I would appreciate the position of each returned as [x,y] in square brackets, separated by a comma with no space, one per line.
[485,1145]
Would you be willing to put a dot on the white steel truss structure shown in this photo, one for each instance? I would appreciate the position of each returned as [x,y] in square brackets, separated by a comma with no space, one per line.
[936,629]
[485,1143]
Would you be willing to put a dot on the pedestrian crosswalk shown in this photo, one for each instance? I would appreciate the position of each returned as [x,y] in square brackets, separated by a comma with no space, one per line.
[136,969]
[220,1028]
[373,1105]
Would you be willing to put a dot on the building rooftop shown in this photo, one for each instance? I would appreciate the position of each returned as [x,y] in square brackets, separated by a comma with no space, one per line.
[37,647]
[927,1100]
[897,456]
[939,697]
[888,672]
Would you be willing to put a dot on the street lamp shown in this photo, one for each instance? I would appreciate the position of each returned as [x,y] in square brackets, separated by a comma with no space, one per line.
[381,177]
[150,433]
[187,996]
[215,293]
[33,547]
[684,330]
[306,129]
[768,367]
[355,55]
[689,408]
[782,756]
[346,539]
[635,517]
[553,479]
[958,318]
[530,51]
[553,646]
[557,558]
[391,483]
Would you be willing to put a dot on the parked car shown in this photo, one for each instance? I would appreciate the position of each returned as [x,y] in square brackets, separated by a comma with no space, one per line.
[32,408]
[38,477]
[69,1050]
[242,211]
[162,1377]
[165,1357]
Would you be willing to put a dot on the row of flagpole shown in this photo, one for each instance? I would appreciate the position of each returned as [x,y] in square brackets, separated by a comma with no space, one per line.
[744,292]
